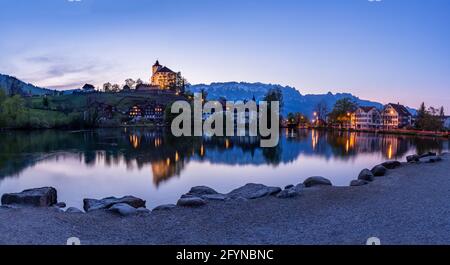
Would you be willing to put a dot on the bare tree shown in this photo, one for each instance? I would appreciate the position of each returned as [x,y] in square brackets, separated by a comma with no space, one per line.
[107,87]
[115,88]
[321,110]
[130,83]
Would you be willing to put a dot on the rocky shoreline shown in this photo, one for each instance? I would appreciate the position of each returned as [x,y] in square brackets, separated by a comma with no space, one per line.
[198,196]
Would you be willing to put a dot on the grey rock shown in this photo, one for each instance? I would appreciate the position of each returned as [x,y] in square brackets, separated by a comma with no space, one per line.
[123,209]
[316,181]
[61,205]
[106,203]
[288,187]
[427,154]
[379,171]
[430,159]
[412,158]
[57,209]
[191,202]
[143,210]
[215,197]
[391,164]
[366,174]
[40,197]
[358,182]
[253,191]
[73,210]
[164,207]
[288,193]
[202,190]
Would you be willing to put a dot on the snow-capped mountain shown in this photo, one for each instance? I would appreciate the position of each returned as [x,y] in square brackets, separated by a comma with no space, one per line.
[294,101]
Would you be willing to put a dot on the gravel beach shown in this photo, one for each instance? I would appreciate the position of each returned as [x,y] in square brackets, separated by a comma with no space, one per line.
[410,205]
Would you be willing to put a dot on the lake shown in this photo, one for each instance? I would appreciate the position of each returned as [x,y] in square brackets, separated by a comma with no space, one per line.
[154,165]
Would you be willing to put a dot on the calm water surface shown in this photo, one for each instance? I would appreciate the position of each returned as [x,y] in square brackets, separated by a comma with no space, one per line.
[157,167]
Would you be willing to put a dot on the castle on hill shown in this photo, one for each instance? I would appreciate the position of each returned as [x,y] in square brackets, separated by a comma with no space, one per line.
[163,79]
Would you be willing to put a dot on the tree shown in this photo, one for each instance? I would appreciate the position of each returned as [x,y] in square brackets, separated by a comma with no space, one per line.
[441,111]
[429,120]
[139,82]
[422,111]
[321,110]
[13,108]
[130,83]
[301,119]
[115,88]
[342,110]
[275,94]
[107,87]
[45,101]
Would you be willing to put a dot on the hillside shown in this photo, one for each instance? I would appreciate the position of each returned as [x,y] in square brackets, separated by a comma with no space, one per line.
[12,85]
[294,101]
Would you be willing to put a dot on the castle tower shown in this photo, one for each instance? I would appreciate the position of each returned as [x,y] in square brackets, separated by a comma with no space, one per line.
[156,67]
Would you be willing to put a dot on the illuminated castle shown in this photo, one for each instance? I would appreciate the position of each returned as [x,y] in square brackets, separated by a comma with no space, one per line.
[163,77]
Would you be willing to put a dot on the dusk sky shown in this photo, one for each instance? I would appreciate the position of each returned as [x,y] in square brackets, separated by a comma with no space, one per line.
[388,51]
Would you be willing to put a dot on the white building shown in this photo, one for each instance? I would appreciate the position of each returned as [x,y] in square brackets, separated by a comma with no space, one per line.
[366,118]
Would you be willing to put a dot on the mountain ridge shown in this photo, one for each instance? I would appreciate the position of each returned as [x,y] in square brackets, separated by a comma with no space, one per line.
[13,85]
[294,101]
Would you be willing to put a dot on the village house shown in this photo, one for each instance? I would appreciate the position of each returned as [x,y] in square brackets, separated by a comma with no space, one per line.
[366,118]
[150,111]
[396,116]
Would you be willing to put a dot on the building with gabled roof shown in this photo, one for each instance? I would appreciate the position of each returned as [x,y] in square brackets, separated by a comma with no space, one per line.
[366,118]
[396,116]
[163,77]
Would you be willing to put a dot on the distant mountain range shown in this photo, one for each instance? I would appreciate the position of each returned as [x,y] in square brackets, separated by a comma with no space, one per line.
[12,85]
[294,101]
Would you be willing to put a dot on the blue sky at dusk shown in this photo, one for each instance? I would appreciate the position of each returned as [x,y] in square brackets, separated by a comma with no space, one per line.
[389,51]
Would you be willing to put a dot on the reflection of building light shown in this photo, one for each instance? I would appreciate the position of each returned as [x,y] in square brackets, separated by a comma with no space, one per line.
[314,139]
[347,146]
[168,161]
[177,157]
[134,140]
[227,143]
[202,151]
[390,151]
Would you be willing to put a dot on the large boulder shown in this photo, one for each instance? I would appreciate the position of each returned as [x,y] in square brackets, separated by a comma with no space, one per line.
[366,174]
[391,164]
[427,154]
[40,197]
[412,158]
[191,202]
[379,171]
[202,190]
[316,181]
[215,197]
[253,191]
[106,203]
[430,159]
[123,209]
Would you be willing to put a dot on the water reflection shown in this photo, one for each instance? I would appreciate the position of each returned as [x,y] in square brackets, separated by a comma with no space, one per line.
[166,156]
